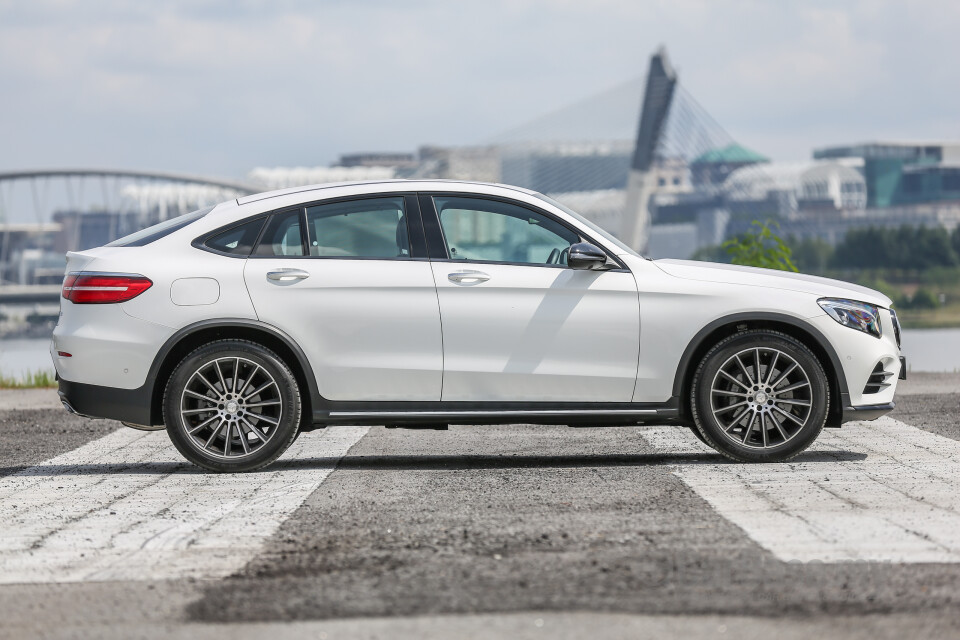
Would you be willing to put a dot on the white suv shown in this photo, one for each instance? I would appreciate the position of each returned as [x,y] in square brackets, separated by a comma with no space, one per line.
[427,303]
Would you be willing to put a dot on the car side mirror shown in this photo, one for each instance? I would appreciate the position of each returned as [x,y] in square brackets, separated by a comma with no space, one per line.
[586,256]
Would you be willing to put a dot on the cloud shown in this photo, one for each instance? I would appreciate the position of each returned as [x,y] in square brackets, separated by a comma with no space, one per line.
[218,87]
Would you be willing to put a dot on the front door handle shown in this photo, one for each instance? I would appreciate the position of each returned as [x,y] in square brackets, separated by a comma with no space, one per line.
[287,275]
[468,276]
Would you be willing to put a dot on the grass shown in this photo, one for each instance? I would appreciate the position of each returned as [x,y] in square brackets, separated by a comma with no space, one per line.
[40,379]
[903,286]
[946,317]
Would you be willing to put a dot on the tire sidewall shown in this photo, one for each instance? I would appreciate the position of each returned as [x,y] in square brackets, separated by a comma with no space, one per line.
[289,424]
[707,424]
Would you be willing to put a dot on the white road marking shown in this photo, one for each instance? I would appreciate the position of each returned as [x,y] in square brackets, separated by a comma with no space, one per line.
[128,507]
[898,503]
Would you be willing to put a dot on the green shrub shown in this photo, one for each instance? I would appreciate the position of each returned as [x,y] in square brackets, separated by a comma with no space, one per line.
[887,289]
[924,299]
[760,248]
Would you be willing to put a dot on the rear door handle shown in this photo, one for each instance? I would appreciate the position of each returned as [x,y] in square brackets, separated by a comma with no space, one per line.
[287,275]
[468,276]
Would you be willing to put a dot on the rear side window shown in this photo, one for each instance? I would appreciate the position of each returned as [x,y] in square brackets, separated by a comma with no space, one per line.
[282,236]
[157,231]
[237,241]
[374,228]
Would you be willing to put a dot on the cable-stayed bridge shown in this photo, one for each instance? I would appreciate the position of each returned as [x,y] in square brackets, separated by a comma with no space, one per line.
[644,159]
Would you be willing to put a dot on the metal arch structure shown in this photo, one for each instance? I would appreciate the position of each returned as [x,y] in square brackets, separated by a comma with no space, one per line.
[125,201]
[158,176]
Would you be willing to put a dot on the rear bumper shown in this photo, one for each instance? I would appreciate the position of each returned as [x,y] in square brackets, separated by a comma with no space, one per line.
[94,401]
[866,412]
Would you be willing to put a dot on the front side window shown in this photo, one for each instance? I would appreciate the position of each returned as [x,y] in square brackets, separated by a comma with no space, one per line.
[282,236]
[373,228]
[491,231]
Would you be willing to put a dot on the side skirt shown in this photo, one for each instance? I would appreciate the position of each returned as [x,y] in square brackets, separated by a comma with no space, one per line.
[436,413]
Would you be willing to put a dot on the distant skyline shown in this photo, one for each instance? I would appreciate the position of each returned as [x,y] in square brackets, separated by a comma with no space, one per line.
[218,87]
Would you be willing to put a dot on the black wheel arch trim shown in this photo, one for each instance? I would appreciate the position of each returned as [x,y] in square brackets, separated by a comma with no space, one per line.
[155,386]
[687,365]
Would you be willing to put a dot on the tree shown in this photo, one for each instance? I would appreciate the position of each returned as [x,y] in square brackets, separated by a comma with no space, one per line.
[924,299]
[811,255]
[760,248]
[712,253]
[908,247]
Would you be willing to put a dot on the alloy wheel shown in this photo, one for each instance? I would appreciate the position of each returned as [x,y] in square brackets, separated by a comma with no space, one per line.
[761,398]
[230,407]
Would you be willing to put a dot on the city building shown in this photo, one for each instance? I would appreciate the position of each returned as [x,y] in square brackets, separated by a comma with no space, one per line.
[904,173]
[714,166]
[399,161]
[567,166]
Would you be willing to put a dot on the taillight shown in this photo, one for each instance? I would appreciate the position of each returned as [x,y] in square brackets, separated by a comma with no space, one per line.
[103,288]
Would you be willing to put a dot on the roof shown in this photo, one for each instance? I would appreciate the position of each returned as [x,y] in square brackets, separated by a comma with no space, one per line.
[399,184]
[730,154]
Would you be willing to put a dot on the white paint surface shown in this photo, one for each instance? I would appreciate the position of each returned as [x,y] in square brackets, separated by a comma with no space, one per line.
[899,503]
[128,507]
[187,292]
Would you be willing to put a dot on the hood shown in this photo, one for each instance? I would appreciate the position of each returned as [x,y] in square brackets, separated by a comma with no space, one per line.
[756,277]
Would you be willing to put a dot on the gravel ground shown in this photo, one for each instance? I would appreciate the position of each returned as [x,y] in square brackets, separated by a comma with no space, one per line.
[483,531]
[515,518]
[29,436]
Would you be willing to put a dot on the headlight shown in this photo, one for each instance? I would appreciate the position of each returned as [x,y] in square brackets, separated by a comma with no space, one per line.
[856,315]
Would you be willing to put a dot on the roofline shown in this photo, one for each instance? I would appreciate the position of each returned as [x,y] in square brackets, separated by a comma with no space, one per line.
[266,195]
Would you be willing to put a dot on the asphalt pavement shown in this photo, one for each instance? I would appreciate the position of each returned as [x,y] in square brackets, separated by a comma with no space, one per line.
[507,531]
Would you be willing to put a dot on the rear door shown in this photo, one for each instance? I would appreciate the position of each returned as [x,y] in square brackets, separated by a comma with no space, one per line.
[350,282]
[518,324]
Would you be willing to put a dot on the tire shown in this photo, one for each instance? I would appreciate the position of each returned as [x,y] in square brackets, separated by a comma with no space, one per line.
[699,435]
[232,405]
[767,418]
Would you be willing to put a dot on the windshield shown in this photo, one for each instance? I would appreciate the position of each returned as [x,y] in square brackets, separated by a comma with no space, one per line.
[157,231]
[600,231]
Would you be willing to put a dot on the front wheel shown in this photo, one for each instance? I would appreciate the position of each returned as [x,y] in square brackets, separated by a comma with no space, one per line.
[232,405]
[760,396]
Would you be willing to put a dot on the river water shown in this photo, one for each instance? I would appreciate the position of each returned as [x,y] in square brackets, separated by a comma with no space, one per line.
[925,349]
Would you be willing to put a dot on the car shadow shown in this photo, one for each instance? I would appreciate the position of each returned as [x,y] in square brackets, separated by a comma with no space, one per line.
[434,463]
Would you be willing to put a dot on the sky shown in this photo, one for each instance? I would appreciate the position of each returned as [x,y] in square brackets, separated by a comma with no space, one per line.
[218,87]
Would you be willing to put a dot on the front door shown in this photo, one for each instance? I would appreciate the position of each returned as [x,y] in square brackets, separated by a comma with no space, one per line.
[341,280]
[518,324]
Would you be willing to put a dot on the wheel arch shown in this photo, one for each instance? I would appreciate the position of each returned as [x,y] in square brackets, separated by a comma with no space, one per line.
[195,335]
[726,326]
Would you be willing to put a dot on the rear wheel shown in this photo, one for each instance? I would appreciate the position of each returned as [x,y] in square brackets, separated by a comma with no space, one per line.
[760,396]
[232,405]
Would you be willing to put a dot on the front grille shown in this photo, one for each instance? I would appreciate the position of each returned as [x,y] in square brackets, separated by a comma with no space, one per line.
[877,381]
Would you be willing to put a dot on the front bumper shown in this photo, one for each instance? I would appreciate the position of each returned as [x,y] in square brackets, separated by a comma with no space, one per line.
[861,357]
[869,411]
[865,412]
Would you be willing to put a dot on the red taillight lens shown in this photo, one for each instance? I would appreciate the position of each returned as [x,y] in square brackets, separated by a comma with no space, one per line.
[103,288]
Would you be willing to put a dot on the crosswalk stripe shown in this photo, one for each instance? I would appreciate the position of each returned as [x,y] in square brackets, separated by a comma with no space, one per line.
[128,507]
[880,491]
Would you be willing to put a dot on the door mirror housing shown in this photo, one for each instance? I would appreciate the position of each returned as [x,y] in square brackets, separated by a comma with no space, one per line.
[585,256]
